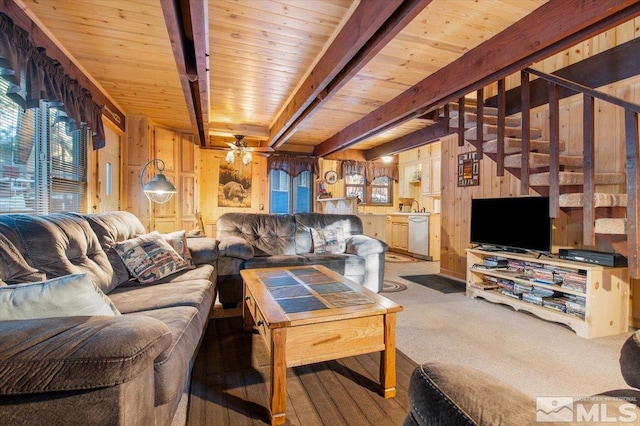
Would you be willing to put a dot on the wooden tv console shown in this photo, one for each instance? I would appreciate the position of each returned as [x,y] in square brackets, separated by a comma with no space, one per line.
[605,293]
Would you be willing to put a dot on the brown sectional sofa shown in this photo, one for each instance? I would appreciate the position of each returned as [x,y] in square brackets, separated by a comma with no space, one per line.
[248,241]
[129,369]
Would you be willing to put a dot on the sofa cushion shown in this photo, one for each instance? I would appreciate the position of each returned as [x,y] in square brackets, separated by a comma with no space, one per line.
[113,227]
[305,222]
[269,234]
[59,244]
[149,257]
[77,353]
[328,241]
[274,261]
[131,299]
[71,295]
[344,264]
[13,268]
[186,327]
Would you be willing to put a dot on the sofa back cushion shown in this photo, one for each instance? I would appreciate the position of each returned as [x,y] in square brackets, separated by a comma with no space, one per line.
[59,244]
[112,228]
[14,269]
[305,222]
[269,234]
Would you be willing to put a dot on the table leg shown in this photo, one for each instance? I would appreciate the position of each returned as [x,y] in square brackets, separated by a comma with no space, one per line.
[247,315]
[388,358]
[278,376]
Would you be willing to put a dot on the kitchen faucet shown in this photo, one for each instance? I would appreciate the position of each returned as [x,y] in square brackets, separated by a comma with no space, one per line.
[417,203]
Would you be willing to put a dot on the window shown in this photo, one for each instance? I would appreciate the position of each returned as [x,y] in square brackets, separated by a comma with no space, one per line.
[290,194]
[378,192]
[42,163]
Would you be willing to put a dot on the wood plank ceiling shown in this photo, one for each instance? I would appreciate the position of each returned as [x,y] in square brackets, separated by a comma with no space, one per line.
[275,71]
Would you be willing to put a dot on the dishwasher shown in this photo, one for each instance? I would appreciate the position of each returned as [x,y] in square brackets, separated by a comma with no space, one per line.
[419,235]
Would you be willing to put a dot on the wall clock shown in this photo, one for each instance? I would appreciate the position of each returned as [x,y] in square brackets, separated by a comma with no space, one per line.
[331,177]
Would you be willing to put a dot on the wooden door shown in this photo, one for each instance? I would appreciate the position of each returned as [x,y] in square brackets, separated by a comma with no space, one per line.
[109,173]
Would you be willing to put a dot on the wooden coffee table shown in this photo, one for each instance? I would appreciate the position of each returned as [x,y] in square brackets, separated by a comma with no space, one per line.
[310,314]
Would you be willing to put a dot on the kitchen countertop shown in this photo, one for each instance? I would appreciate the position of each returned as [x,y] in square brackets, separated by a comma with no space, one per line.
[395,214]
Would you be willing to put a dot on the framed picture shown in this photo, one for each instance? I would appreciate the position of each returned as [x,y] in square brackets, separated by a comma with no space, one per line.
[468,169]
[234,187]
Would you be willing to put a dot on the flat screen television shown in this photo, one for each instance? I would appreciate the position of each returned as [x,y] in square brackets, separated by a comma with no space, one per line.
[511,224]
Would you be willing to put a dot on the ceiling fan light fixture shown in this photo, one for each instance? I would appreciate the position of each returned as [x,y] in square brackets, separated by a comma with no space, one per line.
[239,150]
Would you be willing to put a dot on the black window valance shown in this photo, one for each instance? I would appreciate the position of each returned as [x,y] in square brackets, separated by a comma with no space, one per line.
[369,169]
[33,76]
[293,165]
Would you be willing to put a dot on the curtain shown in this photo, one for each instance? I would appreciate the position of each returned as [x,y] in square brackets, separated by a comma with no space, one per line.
[369,169]
[33,77]
[293,165]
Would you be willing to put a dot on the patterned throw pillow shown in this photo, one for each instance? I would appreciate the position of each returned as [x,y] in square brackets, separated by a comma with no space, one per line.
[328,241]
[70,295]
[149,257]
[178,240]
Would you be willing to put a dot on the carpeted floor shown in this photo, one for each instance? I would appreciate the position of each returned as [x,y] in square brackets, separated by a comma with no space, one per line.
[540,358]
[436,282]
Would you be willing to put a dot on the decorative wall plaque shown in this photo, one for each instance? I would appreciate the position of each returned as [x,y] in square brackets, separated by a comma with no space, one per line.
[468,169]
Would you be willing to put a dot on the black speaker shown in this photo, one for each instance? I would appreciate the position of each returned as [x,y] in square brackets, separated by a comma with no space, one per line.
[592,256]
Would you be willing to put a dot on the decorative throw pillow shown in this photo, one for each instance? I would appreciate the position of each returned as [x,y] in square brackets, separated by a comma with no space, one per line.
[328,241]
[67,296]
[178,240]
[149,257]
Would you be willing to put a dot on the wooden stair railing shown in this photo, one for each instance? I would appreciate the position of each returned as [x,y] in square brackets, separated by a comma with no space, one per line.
[589,199]
[632,157]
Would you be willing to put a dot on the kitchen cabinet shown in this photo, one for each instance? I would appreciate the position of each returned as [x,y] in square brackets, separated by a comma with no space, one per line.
[431,160]
[410,177]
[398,233]
[374,225]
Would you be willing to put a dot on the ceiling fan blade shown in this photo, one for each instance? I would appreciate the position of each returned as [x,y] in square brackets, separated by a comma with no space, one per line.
[232,145]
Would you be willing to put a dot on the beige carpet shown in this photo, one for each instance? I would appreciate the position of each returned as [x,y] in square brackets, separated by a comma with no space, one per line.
[539,357]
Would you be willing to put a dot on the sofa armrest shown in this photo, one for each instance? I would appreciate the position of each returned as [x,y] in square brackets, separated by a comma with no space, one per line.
[235,247]
[363,245]
[442,393]
[73,353]
[203,250]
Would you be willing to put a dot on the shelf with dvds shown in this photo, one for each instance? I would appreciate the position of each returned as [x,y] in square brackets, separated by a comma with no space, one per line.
[592,300]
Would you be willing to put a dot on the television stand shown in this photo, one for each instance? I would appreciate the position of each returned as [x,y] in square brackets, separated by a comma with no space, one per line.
[500,248]
[593,300]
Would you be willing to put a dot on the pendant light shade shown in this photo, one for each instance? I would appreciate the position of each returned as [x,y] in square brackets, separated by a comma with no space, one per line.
[159,189]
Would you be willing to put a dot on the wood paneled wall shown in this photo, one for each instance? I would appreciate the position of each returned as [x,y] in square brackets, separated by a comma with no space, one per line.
[209,180]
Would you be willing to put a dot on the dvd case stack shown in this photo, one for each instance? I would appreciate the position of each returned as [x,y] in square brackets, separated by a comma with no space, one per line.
[576,305]
[575,281]
[506,287]
[515,266]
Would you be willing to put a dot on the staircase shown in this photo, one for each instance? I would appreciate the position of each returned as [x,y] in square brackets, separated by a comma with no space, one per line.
[608,220]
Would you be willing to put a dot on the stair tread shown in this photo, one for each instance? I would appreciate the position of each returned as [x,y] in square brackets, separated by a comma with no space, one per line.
[577,178]
[600,200]
[514,145]
[537,159]
[491,132]
[611,226]
[470,106]
[470,120]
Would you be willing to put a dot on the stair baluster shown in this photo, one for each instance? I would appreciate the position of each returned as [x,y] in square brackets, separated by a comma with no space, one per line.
[480,121]
[633,156]
[554,150]
[588,170]
[461,121]
[501,118]
[525,100]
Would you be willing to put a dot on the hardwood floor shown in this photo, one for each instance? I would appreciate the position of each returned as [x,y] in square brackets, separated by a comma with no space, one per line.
[230,385]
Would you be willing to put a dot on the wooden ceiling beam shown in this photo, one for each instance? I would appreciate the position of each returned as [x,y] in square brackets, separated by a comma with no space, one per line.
[552,27]
[419,137]
[371,26]
[188,27]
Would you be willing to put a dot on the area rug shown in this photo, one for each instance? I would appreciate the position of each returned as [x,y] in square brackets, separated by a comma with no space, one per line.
[389,286]
[398,258]
[439,283]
